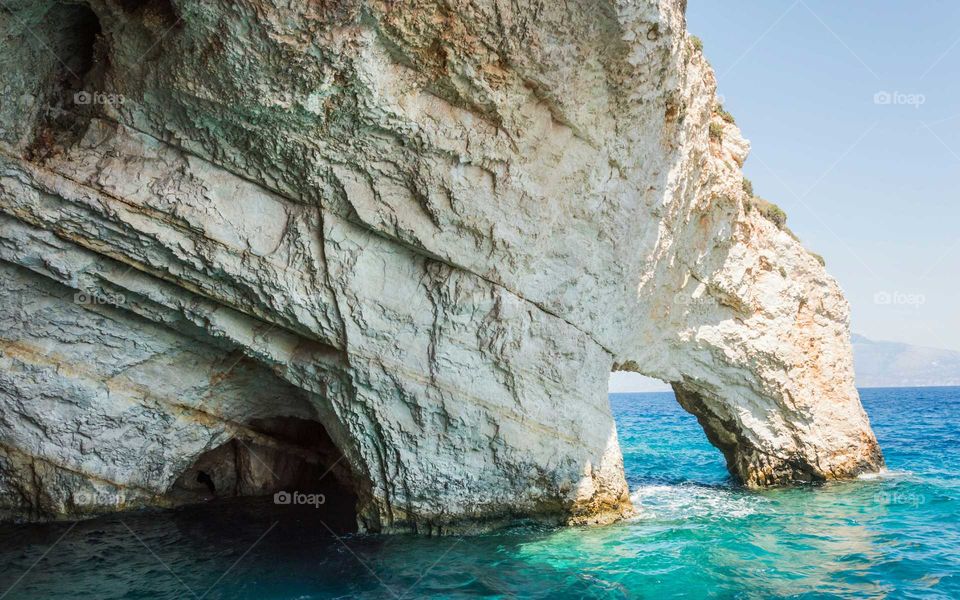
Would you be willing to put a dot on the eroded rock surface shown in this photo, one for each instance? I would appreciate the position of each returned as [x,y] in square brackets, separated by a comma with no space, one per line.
[432,229]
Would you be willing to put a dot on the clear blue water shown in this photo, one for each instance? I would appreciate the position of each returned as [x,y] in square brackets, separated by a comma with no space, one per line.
[697,535]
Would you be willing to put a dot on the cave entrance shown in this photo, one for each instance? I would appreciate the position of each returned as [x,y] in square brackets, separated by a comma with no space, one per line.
[288,462]
[63,43]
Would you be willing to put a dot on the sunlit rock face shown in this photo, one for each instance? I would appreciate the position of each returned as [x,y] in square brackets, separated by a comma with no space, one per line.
[423,232]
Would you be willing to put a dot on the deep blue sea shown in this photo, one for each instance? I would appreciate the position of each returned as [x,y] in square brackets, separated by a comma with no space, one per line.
[697,534]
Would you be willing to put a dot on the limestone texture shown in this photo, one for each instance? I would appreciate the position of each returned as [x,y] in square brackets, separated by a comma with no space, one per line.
[247,245]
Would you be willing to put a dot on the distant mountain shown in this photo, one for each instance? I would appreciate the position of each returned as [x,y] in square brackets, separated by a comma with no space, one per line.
[877,364]
[893,364]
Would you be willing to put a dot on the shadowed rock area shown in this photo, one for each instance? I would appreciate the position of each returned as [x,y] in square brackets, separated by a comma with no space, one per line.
[391,247]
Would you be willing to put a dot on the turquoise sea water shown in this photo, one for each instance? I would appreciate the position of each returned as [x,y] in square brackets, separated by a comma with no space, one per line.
[697,535]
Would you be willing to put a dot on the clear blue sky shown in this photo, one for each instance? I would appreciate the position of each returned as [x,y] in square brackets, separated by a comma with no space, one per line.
[871,183]
[873,187]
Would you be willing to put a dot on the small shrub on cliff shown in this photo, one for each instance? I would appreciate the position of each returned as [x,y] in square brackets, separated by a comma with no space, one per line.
[716,132]
[748,187]
[819,258]
[769,211]
[723,114]
[697,43]
[776,215]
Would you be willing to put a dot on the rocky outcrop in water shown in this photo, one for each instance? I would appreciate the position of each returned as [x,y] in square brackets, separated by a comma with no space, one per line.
[395,246]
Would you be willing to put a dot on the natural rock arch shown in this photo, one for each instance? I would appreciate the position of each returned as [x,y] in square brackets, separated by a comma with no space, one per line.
[440,229]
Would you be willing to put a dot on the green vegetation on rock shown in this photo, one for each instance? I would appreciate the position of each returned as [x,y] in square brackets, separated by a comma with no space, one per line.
[724,114]
[770,211]
[716,132]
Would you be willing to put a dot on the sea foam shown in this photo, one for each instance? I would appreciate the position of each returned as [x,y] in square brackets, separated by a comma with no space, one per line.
[688,500]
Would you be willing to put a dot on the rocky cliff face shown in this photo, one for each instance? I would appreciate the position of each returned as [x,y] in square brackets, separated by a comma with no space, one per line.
[393,246]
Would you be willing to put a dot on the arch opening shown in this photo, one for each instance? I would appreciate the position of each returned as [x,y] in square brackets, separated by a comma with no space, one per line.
[662,442]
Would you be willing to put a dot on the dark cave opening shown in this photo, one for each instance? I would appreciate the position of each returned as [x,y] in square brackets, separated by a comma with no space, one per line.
[77,42]
[87,31]
[292,461]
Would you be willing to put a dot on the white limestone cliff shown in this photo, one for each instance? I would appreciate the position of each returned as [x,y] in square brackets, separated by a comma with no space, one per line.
[398,243]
